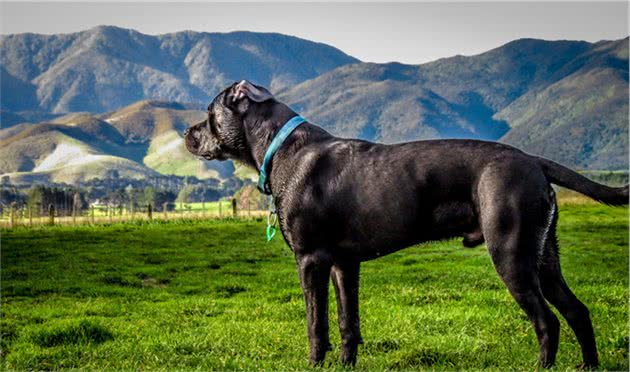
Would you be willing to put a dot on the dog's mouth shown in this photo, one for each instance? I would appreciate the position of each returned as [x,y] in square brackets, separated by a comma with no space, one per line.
[219,157]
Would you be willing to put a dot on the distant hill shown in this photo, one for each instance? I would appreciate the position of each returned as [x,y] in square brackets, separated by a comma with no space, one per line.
[140,140]
[61,153]
[106,67]
[77,106]
[566,100]
[388,103]
[160,126]
[581,118]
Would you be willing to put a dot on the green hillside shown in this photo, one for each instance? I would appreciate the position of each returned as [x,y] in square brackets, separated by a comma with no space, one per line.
[137,141]
[580,120]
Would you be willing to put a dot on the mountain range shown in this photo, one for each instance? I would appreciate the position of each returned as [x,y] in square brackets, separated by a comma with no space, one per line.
[106,68]
[564,100]
[75,106]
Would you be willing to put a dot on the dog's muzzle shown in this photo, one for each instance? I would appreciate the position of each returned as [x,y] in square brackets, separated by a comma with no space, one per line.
[195,143]
[192,140]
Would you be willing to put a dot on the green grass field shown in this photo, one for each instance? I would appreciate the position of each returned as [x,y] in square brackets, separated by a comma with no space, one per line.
[214,295]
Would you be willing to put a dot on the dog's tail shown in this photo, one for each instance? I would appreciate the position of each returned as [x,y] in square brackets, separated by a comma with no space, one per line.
[565,177]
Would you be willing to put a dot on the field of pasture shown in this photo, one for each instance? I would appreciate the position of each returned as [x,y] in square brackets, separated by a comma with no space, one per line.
[213,294]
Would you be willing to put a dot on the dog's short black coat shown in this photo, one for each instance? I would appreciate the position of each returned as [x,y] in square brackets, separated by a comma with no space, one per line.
[344,201]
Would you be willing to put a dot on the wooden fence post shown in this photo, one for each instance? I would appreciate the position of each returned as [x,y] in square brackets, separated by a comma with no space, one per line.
[92,213]
[220,213]
[164,209]
[249,206]
[149,212]
[12,214]
[23,211]
[74,214]
[234,210]
[51,214]
[30,215]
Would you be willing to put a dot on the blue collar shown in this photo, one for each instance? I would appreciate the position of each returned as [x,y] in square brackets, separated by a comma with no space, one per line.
[281,136]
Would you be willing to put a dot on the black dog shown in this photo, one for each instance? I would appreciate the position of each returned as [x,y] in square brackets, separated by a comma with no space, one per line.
[335,197]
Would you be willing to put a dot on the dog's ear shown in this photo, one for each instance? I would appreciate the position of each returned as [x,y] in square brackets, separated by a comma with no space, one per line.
[253,92]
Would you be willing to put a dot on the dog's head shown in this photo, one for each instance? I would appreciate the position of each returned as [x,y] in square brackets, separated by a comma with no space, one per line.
[222,135]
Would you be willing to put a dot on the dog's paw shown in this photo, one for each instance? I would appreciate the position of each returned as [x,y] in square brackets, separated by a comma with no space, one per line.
[586,366]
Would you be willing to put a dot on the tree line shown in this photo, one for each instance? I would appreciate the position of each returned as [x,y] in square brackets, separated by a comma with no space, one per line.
[118,193]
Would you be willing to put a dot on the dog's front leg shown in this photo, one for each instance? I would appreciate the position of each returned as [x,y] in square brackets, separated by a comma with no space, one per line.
[314,270]
[345,278]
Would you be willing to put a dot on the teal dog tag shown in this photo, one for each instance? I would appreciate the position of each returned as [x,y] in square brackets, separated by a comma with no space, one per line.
[272,220]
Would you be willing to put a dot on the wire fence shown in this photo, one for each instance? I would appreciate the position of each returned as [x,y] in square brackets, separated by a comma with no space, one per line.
[17,215]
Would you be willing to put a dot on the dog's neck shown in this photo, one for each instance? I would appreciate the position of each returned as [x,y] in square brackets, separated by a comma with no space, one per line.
[260,133]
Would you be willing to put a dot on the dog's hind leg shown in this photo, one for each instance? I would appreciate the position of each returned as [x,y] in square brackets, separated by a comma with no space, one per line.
[512,226]
[345,277]
[314,270]
[519,273]
[558,293]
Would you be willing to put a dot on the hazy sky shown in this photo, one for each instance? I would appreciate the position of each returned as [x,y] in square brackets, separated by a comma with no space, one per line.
[375,32]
